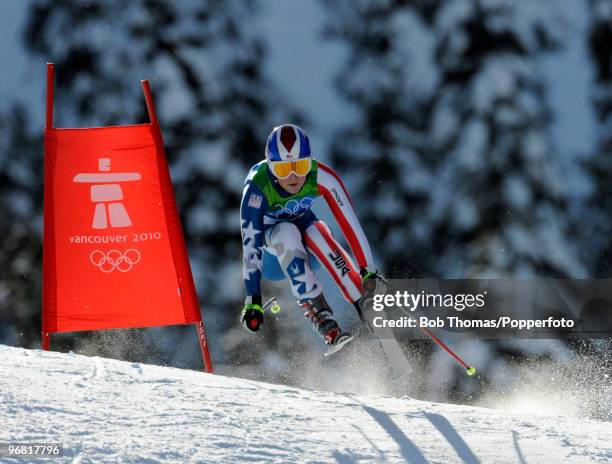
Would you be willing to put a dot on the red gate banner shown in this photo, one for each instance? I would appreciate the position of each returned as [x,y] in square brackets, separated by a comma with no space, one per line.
[114,251]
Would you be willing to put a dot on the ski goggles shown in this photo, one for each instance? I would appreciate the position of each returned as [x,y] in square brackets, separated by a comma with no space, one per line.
[283,169]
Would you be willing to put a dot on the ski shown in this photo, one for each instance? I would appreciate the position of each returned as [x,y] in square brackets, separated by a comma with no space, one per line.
[384,336]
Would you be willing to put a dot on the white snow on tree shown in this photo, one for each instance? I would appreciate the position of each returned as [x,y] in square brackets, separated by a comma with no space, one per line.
[452,154]
[600,164]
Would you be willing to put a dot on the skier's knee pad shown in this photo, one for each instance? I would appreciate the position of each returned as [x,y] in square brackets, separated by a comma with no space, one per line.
[285,236]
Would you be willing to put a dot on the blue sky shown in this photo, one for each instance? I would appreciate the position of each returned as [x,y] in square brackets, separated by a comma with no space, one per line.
[569,76]
[20,77]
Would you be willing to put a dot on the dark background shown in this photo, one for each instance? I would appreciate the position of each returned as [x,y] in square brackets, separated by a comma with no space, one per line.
[475,138]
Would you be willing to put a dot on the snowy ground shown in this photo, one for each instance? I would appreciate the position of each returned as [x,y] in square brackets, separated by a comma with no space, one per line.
[104,410]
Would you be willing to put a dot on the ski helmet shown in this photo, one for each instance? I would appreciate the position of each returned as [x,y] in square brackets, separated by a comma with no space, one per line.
[288,151]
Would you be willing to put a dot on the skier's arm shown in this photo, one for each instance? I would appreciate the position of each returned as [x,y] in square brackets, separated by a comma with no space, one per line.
[252,210]
[341,205]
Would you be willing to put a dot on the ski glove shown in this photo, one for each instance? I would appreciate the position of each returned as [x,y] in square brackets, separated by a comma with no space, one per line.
[372,280]
[252,317]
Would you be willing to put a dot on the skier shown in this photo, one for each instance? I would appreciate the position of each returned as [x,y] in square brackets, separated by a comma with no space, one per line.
[282,237]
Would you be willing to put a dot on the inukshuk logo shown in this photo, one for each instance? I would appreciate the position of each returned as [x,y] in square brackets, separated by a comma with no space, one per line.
[107,195]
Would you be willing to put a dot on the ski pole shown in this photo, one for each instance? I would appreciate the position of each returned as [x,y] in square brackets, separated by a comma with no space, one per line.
[469,370]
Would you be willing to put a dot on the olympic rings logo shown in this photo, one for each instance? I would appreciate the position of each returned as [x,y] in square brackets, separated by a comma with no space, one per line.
[292,208]
[115,260]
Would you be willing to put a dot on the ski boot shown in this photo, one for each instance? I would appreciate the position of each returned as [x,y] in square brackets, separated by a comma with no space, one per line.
[319,312]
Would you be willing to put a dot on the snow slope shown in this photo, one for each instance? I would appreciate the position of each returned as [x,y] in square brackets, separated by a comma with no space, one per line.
[111,411]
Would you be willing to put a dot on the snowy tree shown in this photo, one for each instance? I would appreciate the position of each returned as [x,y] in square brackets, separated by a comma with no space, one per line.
[21,192]
[451,153]
[600,163]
